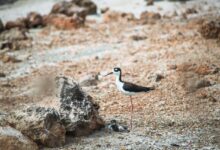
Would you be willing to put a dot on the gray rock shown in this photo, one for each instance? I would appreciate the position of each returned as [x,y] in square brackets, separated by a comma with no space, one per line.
[3,119]
[88,4]
[75,7]
[13,35]
[34,20]
[13,45]
[42,125]
[69,9]
[20,23]
[150,2]
[12,139]
[191,11]
[150,15]
[2,75]
[78,11]
[216,139]
[64,22]
[79,113]
[1,26]
[6,45]
[104,10]
[210,30]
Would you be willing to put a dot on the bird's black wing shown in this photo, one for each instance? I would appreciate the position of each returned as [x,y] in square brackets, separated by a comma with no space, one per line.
[135,88]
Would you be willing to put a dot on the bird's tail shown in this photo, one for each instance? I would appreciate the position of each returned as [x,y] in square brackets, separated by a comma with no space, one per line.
[147,89]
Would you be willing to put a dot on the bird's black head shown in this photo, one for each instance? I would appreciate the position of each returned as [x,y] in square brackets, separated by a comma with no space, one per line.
[113,122]
[116,69]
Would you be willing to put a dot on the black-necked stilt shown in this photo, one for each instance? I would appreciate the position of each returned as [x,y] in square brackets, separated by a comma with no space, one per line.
[114,126]
[128,88]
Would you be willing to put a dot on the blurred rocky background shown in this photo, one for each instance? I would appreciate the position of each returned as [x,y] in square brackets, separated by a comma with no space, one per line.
[54,53]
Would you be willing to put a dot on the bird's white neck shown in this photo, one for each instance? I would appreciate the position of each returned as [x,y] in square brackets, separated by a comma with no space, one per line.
[118,82]
[118,78]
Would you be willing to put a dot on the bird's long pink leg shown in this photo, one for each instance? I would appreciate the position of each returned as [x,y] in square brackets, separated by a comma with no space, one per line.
[131,112]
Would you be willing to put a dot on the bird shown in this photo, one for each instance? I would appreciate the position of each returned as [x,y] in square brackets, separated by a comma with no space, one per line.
[114,126]
[128,88]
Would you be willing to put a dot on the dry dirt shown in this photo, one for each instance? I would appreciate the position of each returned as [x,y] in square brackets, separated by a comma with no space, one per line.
[183,112]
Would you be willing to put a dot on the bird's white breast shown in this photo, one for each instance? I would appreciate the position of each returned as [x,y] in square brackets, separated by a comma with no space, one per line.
[120,85]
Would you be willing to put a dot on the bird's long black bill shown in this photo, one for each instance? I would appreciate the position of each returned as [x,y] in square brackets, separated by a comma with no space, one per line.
[109,74]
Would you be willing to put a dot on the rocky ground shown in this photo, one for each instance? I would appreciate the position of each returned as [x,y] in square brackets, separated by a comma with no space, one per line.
[177,53]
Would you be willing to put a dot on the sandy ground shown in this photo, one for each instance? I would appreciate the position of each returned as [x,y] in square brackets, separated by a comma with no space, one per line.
[179,114]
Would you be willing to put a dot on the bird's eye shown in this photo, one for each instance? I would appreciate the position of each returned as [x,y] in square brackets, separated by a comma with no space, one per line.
[116,69]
